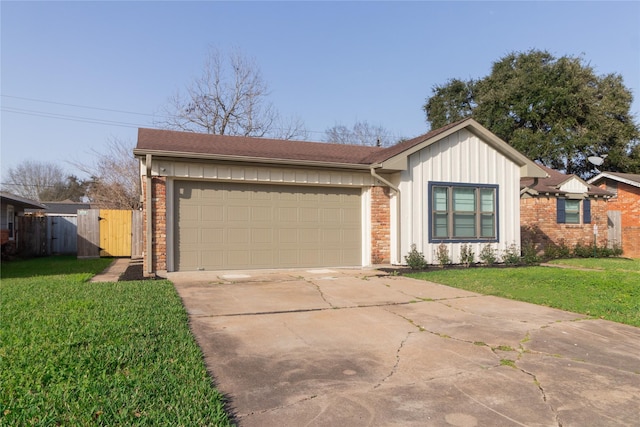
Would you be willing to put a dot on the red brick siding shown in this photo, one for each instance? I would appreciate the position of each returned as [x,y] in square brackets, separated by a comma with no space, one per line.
[158,256]
[380,225]
[538,224]
[628,203]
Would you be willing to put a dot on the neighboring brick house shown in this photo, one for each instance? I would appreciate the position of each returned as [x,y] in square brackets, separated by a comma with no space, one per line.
[215,202]
[623,209]
[562,209]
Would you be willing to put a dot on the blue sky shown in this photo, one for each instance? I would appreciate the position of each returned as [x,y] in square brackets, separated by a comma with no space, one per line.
[325,62]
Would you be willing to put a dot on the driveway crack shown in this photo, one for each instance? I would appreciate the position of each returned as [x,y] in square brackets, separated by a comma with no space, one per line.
[311,282]
[395,366]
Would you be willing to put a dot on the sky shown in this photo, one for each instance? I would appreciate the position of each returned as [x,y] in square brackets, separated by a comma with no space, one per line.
[76,75]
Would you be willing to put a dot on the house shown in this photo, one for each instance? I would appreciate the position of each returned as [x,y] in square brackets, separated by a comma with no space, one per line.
[12,206]
[623,209]
[216,202]
[562,209]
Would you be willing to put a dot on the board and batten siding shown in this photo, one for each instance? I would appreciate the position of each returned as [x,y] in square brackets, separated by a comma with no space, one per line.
[464,158]
[574,186]
[266,174]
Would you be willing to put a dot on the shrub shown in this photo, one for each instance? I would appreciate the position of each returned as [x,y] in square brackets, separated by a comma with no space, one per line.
[442,255]
[488,255]
[530,254]
[511,255]
[467,256]
[415,259]
[580,250]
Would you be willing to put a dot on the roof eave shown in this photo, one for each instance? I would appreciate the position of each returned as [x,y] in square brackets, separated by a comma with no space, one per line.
[614,177]
[528,168]
[141,153]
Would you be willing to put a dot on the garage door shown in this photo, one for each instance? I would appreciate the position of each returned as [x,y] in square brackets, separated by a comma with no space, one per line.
[242,226]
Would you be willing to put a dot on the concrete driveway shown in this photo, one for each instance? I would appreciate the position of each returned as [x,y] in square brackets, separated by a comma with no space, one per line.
[356,347]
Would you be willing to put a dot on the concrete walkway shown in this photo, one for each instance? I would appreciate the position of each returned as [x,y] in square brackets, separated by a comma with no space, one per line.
[359,348]
[113,272]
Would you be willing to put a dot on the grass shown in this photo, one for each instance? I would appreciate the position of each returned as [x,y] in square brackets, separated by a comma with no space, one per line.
[612,294]
[607,264]
[79,353]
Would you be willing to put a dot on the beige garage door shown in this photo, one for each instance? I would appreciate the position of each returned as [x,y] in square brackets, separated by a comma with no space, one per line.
[241,226]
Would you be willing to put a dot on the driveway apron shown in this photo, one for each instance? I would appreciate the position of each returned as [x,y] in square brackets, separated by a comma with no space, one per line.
[362,348]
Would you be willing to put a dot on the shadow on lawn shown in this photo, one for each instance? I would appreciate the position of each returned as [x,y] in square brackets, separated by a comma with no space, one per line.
[51,266]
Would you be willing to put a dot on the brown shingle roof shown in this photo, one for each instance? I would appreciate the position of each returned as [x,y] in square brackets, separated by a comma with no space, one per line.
[188,142]
[552,183]
[628,176]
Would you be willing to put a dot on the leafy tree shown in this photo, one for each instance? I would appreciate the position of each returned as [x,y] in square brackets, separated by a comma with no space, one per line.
[229,98]
[361,133]
[554,110]
[33,179]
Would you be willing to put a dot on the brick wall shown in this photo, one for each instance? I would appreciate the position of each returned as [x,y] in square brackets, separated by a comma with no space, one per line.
[380,225]
[628,203]
[538,224]
[158,257]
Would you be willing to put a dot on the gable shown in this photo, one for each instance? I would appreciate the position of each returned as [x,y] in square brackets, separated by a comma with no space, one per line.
[627,178]
[395,158]
[574,185]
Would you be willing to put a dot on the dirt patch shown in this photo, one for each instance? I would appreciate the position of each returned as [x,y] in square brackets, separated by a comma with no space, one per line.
[134,272]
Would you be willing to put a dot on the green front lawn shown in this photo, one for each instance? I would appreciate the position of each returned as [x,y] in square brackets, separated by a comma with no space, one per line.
[608,264]
[612,294]
[79,353]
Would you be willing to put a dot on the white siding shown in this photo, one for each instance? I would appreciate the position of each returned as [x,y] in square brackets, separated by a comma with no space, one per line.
[242,173]
[460,158]
[574,185]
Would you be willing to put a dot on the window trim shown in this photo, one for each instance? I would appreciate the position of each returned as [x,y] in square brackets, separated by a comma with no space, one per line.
[584,211]
[450,213]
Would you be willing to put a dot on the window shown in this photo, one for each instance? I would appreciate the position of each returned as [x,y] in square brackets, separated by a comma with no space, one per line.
[568,211]
[10,222]
[572,211]
[462,212]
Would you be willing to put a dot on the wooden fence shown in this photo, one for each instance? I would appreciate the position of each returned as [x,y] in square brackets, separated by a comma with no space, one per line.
[109,232]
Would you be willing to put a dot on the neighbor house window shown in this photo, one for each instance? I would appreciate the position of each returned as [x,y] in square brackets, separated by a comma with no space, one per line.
[11,222]
[569,211]
[462,212]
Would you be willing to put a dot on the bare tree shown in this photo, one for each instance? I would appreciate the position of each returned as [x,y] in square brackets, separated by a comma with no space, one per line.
[115,176]
[229,98]
[32,179]
[362,133]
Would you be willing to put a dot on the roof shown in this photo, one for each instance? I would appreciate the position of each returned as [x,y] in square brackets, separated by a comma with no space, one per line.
[12,199]
[552,184]
[65,207]
[169,143]
[628,178]
[181,143]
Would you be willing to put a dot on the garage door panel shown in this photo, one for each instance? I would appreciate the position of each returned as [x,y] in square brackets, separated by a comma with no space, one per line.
[212,213]
[287,214]
[238,258]
[238,213]
[261,235]
[237,226]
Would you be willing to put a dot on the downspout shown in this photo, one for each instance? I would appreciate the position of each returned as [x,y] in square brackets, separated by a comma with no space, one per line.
[398,210]
[149,217]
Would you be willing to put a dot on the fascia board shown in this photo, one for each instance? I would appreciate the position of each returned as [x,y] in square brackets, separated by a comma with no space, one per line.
[528,169]
[615,178]
[169,155]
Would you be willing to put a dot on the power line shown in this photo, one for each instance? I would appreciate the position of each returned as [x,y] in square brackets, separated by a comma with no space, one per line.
[77,105]
[105,122]
[71,117]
